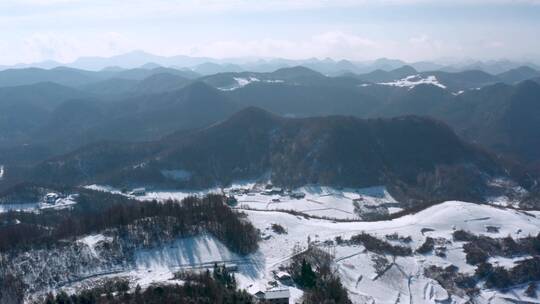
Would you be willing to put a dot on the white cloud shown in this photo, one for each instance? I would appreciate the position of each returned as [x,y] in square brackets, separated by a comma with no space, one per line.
[335,44]
[34,30]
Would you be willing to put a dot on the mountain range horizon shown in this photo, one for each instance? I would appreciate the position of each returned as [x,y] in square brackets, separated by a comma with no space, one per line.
[327,65]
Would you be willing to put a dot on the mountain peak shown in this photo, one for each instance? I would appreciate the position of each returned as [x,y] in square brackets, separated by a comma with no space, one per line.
[405,70]
[296,71]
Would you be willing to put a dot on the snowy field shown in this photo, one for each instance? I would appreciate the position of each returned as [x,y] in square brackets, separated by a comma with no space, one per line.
[318,201]
[402,282]
[321,201]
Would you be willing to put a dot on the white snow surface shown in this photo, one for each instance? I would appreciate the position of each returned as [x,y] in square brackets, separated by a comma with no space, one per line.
[61,203]
[414,80]
[92,240]
[404,281]
[185,253]
[240,83]
[1,172]
[320,201]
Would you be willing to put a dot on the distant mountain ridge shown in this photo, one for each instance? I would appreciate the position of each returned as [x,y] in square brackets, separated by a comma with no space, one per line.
[327,66]
[405,153]
[69,118]
[148,103]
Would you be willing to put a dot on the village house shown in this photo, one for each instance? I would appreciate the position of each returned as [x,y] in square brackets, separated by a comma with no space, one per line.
[274,296]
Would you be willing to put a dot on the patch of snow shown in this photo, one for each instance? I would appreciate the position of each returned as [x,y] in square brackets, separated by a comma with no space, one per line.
[458,93]
[103,188]
[61,203]
[188,252]
[414,80]
[509,192]
[92,240]
[321,201]
[505,262]
[1,172]
[240,83]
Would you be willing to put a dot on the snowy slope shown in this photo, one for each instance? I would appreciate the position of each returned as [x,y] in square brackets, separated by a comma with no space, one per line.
[401,281]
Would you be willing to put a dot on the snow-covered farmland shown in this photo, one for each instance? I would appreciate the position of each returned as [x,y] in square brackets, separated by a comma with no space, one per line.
[316,201]
[320,201]
[402,279]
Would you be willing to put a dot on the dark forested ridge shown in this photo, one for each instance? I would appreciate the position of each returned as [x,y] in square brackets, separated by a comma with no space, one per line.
[339,151]
[148,103]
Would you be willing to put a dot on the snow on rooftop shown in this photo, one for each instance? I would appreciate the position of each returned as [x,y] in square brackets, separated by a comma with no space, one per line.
[277,294]
[414,80]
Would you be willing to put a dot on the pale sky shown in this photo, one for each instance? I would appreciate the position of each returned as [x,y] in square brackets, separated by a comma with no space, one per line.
[412,30]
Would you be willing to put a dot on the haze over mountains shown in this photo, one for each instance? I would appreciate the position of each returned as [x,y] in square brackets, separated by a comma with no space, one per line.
[335,142]
[51,111]
[328,66]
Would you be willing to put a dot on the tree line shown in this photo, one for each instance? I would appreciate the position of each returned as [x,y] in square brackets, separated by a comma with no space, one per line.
[97,211]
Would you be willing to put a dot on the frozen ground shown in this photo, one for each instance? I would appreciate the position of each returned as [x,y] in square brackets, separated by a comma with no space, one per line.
[318,201]
[322,201]
[403,281]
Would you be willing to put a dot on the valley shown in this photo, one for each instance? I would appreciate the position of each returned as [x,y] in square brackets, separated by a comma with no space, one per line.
[306,182]
[369,275]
